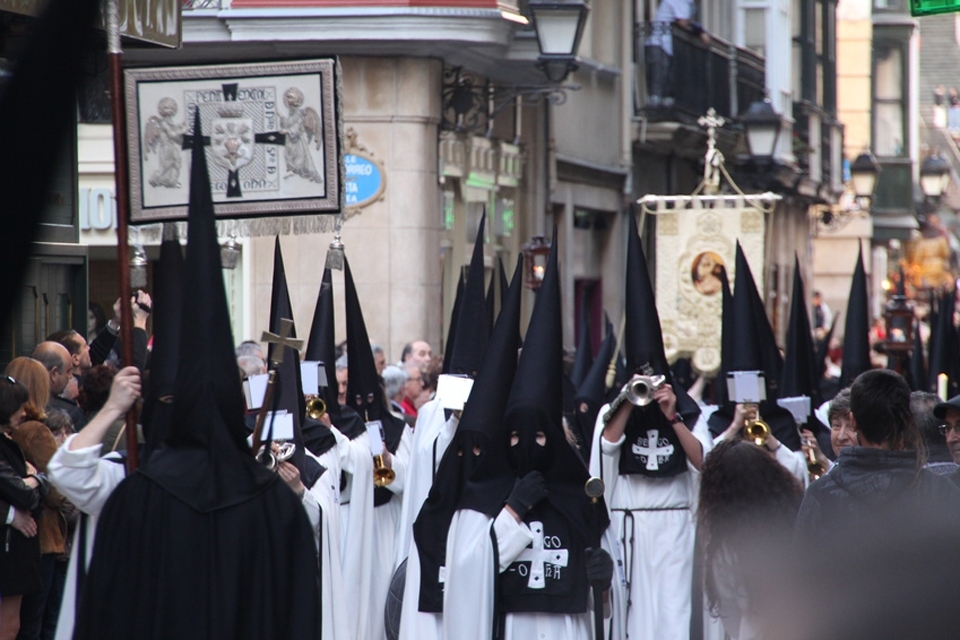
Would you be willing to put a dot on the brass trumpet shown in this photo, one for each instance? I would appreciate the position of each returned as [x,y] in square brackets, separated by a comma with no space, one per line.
[814,468]
[316,407]
[640,390]
[271,459]
[756,429]
[382,474]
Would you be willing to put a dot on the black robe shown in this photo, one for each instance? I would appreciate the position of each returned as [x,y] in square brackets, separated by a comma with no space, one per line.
[171,585]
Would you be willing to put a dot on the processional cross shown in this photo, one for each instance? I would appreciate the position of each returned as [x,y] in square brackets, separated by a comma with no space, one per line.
[282,341]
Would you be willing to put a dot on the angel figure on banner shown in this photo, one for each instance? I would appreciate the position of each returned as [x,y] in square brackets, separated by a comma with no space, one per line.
[301,127]
[164,136]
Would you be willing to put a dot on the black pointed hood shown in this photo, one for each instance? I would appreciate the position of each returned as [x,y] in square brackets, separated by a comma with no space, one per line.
[592,395]
[856,333]
[289,387]
[364,394]
[491,305]
[504,286]
[322,346]
[280,306]
[643,337]
[820,360]
[473,472]
[799,373]
[748,345]
[37,120]
[206,462]
[720,419]
[916,364]
[452,331]
[167,311]
[472,319]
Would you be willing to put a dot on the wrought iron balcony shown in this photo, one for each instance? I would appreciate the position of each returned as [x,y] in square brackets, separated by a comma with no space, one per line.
[698,75]
[191,5]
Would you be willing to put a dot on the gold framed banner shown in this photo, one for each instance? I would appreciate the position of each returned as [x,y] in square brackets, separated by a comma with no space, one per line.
[272,131]
[696,237]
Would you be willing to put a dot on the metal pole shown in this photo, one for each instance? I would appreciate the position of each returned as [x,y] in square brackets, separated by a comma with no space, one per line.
[115,58]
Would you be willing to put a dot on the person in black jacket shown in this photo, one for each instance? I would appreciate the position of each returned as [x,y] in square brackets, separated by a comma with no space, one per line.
[23,489]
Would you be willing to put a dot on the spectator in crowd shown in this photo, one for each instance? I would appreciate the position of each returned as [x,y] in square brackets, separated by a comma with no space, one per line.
[933,430]
[417,351]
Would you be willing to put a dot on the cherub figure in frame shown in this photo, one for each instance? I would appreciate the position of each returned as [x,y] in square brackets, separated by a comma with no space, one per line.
[164,137]
[302,127]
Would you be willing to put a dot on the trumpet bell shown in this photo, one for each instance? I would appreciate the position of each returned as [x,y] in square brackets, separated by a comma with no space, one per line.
[382,474]
[272,459]
[758,431]
[316,408]
[640,390]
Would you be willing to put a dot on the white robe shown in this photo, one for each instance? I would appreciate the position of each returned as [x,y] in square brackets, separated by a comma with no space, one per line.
[322,504]
[428,442]
[654,540]
[416,624]
[386,518]
[468,594]
[86,480]
[356,533]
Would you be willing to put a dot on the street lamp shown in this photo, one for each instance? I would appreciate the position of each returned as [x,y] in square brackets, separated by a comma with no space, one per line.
[138,267]
[230,253]
[934,176]
[535,256]
[863,175]
[559,27]
[762,126]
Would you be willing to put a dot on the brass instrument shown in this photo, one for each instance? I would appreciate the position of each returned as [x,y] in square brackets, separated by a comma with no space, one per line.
[638,392]
[316,407]
[755,428]
[271,459]
[382,474]
[814,468]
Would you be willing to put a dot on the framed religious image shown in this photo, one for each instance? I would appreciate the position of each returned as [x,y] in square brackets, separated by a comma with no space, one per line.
[272,133]
[706,271]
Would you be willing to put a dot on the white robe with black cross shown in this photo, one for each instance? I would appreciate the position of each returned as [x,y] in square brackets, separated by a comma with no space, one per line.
[470,581]
[651,540]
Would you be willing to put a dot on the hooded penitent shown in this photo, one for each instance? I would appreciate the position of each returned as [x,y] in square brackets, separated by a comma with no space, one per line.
[322,348]
[592,395]
[584,356]
[472,322]
[288,395]
[944,346]
[365,393]
[167,311]
[538,443]
[748,345]
[203,541]
[473,473]
[856,333]
[652,447]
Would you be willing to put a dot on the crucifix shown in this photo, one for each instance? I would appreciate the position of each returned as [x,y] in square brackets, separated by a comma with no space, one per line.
[651,450]
[283,340]
[714,158]
[233,138]
[538,556]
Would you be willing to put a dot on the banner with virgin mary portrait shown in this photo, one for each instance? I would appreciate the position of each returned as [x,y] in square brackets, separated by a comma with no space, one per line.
[696,238]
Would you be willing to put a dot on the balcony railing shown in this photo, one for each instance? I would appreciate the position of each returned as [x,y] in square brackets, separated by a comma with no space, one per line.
[695,77]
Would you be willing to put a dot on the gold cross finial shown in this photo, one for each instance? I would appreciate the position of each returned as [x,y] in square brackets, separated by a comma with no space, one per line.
[282,340]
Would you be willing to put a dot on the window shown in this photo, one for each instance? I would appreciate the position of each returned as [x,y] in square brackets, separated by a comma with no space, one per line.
[889,103]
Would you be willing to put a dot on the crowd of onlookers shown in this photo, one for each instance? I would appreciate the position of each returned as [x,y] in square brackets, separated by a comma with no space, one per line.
[50,394]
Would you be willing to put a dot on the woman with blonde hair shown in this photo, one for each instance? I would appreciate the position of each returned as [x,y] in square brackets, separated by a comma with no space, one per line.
[34,376]
[38,445]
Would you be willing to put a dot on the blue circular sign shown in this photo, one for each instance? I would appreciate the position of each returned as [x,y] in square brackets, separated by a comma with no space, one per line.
[364,180]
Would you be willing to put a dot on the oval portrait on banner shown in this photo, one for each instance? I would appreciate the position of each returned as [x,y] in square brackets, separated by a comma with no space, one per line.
[705,272]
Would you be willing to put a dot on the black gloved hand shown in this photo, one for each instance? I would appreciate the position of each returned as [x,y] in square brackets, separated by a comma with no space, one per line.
[599,568]
[528,491]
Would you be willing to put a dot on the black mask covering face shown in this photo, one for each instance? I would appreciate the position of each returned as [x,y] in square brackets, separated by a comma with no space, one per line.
[526,453]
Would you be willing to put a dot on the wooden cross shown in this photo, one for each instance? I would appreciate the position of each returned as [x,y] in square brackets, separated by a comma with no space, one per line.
[282,340]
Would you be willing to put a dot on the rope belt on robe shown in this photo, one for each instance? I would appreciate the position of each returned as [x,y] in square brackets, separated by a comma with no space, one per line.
[627,549]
